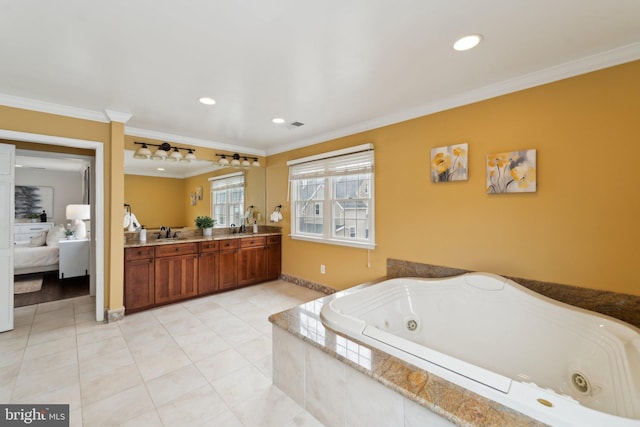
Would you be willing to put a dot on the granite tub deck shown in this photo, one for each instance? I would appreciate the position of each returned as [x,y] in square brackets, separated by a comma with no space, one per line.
[420,394]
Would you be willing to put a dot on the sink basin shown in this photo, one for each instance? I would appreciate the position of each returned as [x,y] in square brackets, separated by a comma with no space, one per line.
[171,238]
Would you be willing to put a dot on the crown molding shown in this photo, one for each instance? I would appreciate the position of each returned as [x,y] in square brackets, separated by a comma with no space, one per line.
[51,108]
[116,116]
[566,70]
[162,136]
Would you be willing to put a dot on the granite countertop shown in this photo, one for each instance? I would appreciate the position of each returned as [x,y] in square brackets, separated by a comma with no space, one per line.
[133,241]
[453,402]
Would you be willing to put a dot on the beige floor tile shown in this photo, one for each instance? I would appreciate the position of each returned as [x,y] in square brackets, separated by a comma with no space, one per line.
[196,406]
[157,358]
[39,337]
[148,419]
[242,385]
[44,380]
[175,384]
[69,395]
[255,349]
[104,364]
[222,364]
[96,348]
[119,408]
[201,345]
[97,388]
[101,331]
[49,361]
[49,347]
[75,418]
[269,408]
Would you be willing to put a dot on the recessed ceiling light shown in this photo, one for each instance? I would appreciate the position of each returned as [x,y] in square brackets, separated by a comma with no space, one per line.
[18,166]
[207,101]
[467,42]
[160,169]
[278,120]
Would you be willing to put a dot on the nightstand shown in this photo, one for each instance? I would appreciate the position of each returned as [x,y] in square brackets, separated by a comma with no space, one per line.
[74,258]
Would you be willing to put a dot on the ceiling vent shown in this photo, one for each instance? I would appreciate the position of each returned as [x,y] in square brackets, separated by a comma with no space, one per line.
[295,125]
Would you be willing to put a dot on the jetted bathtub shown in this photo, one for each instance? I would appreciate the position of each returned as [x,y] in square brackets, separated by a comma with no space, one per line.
[559,364]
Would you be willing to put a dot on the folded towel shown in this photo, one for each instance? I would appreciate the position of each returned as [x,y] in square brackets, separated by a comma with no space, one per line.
[133,224]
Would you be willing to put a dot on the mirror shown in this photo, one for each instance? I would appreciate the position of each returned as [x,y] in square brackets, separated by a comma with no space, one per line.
[165,197]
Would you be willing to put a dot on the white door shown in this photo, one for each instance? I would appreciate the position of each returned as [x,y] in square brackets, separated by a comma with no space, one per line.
[7,182]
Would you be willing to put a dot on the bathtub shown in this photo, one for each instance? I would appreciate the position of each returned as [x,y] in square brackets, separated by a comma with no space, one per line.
[556,363]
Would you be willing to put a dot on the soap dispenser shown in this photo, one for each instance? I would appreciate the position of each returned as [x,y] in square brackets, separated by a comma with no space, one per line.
[143,234]
[255,226]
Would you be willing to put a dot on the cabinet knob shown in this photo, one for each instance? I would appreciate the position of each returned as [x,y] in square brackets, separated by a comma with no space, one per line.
[139,252]
[177,249]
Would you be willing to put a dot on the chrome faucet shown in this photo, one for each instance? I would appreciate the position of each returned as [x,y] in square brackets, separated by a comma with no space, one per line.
[168,232]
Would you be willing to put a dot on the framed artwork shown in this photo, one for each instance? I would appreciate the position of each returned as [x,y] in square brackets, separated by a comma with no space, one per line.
[512,172]
[199,192]
[33,199]
[450,163]
[194,198]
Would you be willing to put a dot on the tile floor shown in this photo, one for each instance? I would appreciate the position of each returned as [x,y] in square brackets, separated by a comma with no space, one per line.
[202,362]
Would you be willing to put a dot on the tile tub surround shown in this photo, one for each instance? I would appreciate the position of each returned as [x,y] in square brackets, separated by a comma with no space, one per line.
[620,306]
[338,380]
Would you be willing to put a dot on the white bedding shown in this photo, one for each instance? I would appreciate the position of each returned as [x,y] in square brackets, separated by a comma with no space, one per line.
[26,256]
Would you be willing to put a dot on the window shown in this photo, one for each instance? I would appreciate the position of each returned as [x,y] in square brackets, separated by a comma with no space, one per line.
[332,197]
[227,199]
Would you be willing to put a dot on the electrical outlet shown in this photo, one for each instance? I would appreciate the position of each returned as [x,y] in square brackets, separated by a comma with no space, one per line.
[322,269]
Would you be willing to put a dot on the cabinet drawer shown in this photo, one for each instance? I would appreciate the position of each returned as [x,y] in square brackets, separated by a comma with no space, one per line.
[249,242]
[211,246]
[177,249]
[138,253]
[274,240]
[228,244]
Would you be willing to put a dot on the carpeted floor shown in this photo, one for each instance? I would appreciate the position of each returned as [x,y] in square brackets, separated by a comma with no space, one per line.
[52,288]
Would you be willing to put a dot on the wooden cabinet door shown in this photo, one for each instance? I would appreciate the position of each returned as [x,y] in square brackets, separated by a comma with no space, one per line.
[139,277]
[251,265]
[274,258]
[227,277]
[176,278]
[208,267]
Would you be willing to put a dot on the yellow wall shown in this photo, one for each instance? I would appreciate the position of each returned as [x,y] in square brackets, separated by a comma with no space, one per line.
[579,228]
[156,201]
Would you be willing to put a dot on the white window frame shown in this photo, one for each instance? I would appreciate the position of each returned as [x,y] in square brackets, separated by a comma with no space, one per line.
[358,160]
[226,183]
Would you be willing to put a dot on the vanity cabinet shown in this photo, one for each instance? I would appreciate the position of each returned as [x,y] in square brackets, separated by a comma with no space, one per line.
[274,257]
[161,274]
[228,274]
[139,278]
[252,260]
[208,267]
[176,272]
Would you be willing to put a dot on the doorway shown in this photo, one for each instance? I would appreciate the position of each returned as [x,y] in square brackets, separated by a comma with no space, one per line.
[97,237]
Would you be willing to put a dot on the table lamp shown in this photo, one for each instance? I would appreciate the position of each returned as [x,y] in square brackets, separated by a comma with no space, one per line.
[79,213]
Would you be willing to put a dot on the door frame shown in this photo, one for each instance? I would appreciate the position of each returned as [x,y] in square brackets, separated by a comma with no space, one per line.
[97,231]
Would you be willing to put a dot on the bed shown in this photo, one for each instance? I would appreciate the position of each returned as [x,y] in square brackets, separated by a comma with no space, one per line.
[39,254]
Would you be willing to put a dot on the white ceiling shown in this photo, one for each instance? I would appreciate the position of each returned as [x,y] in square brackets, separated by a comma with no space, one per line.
[338,66]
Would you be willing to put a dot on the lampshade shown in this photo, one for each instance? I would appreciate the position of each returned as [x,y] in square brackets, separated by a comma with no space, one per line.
[160,154]
[236,160]
[78,213]
[245,162]
[190,156]
[175,155]
[223,160]
[143,152]
[255,163]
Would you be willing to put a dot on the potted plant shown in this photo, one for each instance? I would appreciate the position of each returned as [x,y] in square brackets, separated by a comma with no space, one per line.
[206,223]
[69,234]
[34,217]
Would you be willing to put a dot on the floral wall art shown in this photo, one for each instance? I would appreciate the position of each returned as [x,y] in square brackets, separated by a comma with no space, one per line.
[450,163]
[511,172]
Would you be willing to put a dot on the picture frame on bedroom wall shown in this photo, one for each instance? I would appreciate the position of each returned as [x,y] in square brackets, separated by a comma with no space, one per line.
[33,199]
